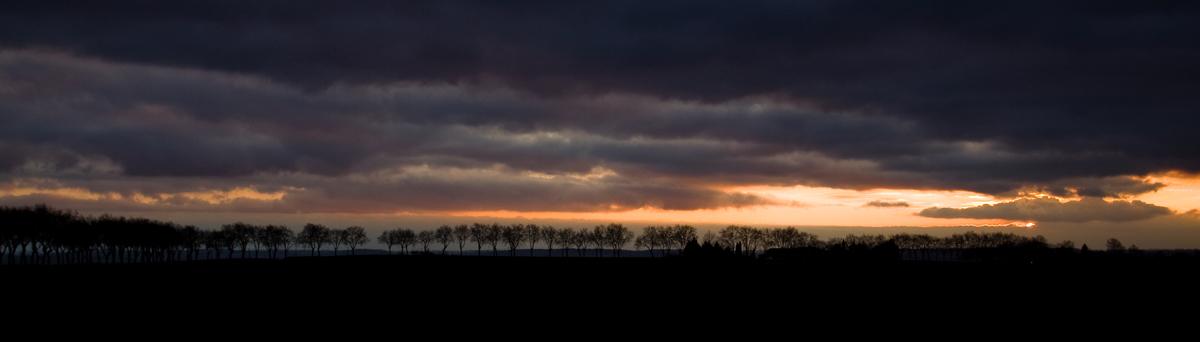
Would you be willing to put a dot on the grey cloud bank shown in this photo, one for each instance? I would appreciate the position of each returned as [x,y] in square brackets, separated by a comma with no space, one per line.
[461,105]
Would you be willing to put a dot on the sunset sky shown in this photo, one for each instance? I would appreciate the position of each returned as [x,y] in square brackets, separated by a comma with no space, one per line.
[1073,119]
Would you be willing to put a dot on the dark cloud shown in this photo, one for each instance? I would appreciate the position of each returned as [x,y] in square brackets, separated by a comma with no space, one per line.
[81,114]
[886,204]
[1072,99]
[1052,210]
[416,189]
[1115,187]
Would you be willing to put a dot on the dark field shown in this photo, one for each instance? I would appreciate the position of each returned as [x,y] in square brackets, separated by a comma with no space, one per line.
[437,282]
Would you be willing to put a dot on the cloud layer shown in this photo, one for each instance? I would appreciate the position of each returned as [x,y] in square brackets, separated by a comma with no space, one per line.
[886,204]
[1052,210]
[463,105]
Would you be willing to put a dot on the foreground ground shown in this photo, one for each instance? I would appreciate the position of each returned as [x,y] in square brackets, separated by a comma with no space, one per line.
[517,289]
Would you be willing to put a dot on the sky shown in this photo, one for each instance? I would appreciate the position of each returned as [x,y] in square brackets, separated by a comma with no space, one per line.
[1072,119]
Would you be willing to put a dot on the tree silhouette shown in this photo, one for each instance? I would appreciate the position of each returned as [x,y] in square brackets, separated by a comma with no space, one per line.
[388,239]
[551,237]
[618,236]
[462,234]
[595,239]
[425,238]
[353,237]
[650,239]
[479,234]
[513,235]
[405,237]
[241,235]
[679,236]
[42,235]
[492,235]
[276,237]
[230,239]
[578,238]
[570,237]
[314,236]
[1114,246]
[444,235]
[533,234]
[336,238]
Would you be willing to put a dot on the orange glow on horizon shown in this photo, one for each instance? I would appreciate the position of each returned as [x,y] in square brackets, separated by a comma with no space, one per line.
[814,206]
[210,196]
[800,205]
[1181,193]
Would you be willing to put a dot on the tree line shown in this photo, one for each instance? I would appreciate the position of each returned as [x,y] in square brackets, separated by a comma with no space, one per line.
[44,235]
[613,237]
[747,241]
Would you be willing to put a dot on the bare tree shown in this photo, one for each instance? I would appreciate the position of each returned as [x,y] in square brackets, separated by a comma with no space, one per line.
[680,235]
[650,239]
[314,236]
[387,238]
[462,234]
[513,235]
[192,241]
[578,238]
[710,238]
[479,233]
[617,236]
[229,239]
[596,239]
[1114,246]
[276,237]
[426,238]
[336,238]
[533,234]
[241,234]
[492,235]
[353,237]
[551,237]
[405,237]
[444,235]
[568,237]
[644,241]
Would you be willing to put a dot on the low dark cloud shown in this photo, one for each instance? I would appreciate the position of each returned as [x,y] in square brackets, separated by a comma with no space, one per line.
[1113,187]
[886,204]
[1052,210]
[419,189]
[1071,99]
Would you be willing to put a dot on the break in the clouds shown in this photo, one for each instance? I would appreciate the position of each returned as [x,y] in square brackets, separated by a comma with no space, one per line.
[1052,210]
[463,105]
